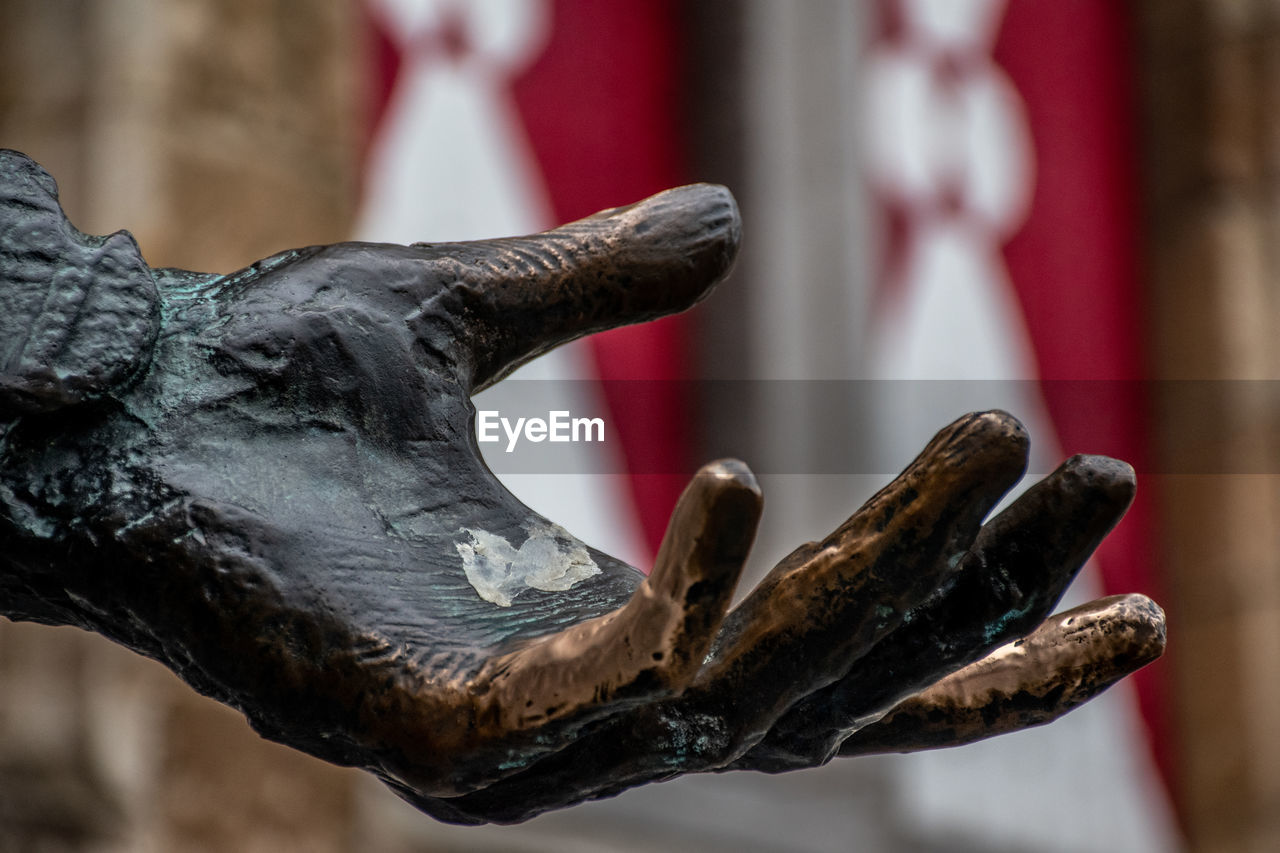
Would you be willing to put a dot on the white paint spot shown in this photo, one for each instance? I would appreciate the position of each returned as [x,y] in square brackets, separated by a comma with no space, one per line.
[549,560]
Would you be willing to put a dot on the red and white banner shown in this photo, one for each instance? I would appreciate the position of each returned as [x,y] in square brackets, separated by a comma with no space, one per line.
[1002,153]
[1000,157]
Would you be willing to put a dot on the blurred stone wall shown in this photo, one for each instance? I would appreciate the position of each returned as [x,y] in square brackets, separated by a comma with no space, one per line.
[1210,78]
[218,132]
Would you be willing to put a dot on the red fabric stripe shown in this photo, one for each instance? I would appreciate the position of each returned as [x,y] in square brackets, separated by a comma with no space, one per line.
[1075,263]
[384,65]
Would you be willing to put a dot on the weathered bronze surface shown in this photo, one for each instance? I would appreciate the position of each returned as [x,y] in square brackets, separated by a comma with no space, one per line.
[269,482]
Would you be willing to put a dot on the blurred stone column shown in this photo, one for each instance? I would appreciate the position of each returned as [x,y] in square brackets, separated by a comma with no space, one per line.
[218,131]
[1211,111]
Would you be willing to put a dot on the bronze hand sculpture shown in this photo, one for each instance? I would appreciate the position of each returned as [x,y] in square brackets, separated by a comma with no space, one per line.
[269,482]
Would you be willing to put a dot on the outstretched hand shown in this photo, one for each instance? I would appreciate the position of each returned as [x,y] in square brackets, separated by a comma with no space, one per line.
[269,482]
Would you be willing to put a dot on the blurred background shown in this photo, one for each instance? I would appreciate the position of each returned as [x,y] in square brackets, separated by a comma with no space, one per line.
[1069,210]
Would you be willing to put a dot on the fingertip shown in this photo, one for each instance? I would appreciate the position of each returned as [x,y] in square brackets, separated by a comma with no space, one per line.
[967,465]
[699,223]
[712,526]
[729,507]
[728,476]
[1043,539]
[994,443]
[995,424]
[1134,626]
[1110,480]
[1005,436]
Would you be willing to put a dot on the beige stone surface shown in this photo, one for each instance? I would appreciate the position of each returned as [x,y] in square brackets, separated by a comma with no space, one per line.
[1211,83]
[218,132]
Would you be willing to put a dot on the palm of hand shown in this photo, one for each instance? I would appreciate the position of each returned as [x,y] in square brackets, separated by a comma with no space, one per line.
[283,501]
